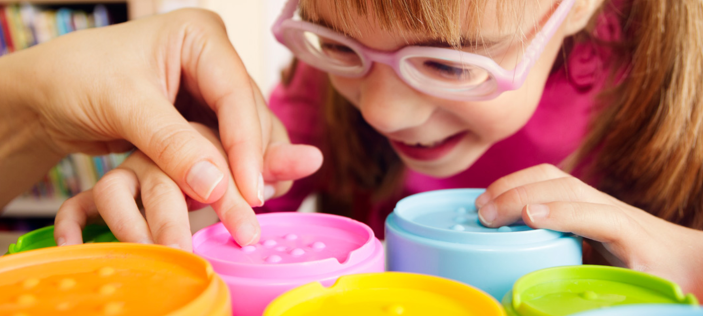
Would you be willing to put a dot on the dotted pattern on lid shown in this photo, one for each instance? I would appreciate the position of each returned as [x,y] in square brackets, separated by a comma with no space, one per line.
[461,219]
[116,284]
[283,243]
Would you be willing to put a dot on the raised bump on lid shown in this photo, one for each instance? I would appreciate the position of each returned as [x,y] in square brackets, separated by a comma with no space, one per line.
[291,238]
[107,279]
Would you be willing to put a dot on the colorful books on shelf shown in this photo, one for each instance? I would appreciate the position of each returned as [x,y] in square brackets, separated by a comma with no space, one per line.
[75,173]
[24,25]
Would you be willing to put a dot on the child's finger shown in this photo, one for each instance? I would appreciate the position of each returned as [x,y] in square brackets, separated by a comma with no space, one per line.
[600,222]
[506,208]
[233,210]
[538,173]
[164,204]
[72,217]
[238,217]
[285,162]
[114,197]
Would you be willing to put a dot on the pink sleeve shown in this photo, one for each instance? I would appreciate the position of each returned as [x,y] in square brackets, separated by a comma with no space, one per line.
[298,106]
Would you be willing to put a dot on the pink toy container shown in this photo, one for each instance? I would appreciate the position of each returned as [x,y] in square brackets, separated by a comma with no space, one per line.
[295,249]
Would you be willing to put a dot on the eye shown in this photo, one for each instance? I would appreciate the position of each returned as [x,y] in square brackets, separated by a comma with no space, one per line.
[448,71]
[339,53]
[336,48]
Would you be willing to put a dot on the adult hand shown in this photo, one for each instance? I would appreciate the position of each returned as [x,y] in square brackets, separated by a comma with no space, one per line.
[546,197]
[104,90]
[115,197]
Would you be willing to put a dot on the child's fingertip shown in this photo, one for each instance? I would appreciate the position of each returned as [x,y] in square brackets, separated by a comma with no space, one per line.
[269,192]
[246,234]
[175,246]
[536,212]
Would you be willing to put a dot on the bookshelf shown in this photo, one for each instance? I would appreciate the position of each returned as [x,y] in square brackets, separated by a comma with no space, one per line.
[75,173]
[31,207]
[135,8]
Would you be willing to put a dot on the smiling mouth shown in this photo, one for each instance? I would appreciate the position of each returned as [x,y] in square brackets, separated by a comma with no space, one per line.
[428,151]
[426,145]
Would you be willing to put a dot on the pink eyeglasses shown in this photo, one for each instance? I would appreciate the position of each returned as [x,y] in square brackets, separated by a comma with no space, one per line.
[441,72]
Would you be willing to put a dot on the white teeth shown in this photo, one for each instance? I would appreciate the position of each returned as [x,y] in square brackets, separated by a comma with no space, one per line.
[431,144]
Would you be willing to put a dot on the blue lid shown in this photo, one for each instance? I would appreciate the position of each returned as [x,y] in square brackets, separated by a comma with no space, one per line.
[646,310]
[451,215]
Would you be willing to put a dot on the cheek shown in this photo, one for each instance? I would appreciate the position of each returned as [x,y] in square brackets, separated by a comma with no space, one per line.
[500,118]
[350,88]
[495,120]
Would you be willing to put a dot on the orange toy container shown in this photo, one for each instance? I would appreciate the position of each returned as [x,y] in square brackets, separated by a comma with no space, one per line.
[110,279]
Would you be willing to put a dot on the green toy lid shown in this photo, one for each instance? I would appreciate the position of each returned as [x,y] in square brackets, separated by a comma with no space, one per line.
[572,289]
[44,238]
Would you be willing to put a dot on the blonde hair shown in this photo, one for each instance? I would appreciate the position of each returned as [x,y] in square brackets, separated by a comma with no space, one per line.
[439,19]
[644,147]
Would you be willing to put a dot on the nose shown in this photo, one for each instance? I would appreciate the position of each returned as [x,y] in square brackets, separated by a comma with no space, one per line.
[388,104]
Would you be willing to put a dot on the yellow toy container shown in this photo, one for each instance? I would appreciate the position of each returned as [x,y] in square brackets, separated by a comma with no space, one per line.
[389,293]
[110,279]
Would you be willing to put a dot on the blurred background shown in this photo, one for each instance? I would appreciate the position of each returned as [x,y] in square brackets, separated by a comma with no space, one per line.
[27,23]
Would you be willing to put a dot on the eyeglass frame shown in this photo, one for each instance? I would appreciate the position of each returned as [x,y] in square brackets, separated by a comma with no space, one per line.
[505,80]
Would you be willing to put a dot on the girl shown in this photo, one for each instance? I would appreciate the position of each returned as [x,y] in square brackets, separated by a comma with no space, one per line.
[406,96]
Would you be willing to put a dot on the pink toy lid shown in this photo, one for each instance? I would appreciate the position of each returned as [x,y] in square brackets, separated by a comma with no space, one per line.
[291,245]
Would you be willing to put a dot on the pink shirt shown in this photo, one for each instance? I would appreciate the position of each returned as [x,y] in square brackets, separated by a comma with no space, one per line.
[556,129]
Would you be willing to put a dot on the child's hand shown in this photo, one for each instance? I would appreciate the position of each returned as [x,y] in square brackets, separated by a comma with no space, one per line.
[546,197]
[165,221]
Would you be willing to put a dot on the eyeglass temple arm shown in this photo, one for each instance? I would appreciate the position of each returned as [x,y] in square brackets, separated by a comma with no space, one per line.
[287,13]
[540,41]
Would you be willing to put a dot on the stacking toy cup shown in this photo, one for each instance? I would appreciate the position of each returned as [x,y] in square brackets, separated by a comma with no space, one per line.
[111,279]
[438,233]
[44,237]
[646,310]
[295,249]
[568,290]
[390,293]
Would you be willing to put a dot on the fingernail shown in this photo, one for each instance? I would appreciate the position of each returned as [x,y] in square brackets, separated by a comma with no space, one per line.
[146,241]
[245,234]
[203,178]
[537,211]
[483,199]
[269,192]
[261,187]
[177,246]
[487,214]
[61,241]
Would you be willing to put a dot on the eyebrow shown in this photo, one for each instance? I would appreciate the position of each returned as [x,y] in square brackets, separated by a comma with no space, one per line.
[436,42]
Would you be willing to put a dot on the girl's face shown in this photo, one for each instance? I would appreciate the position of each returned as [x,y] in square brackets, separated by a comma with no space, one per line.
[441,137]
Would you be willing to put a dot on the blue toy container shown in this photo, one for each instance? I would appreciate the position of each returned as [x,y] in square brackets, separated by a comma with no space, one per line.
[438,233]
[646,310]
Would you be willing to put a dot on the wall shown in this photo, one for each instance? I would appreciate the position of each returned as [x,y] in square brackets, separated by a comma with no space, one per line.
[249,27]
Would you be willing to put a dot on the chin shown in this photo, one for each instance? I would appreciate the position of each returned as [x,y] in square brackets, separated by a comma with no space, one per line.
[453,164]
[436,172]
